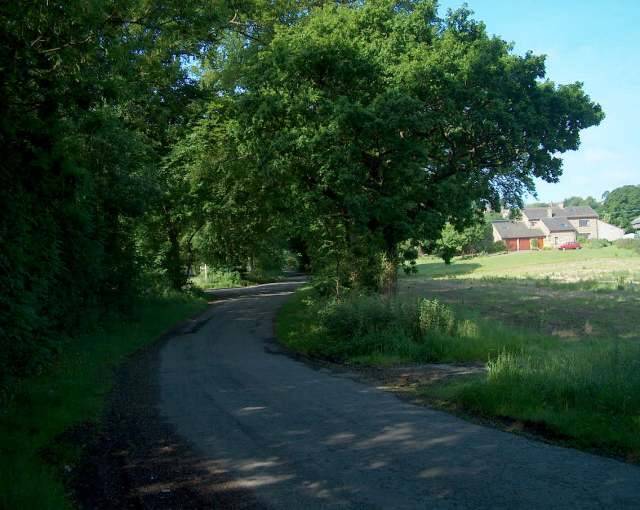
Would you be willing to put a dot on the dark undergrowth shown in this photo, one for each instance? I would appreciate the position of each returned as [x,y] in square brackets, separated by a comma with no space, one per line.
[69,394]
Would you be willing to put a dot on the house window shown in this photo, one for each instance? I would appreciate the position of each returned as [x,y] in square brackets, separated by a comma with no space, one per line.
[584,223]
[555,240]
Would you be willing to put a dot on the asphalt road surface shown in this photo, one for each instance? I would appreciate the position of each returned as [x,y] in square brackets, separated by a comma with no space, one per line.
[273,432]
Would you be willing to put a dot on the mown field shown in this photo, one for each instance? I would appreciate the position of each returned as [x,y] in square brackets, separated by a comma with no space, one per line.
[601,266]
[559,334]
[572,295]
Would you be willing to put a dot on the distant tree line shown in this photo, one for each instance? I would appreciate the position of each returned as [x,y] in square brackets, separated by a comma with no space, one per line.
[143,138]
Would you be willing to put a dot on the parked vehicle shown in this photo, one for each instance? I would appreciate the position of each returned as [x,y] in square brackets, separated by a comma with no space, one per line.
[570,246]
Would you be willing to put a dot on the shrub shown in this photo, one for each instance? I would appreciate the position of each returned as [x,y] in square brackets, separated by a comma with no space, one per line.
[359,315]
[497,247]
[374,329]
[595,243]
[435,316]
[365,325]
[218,279]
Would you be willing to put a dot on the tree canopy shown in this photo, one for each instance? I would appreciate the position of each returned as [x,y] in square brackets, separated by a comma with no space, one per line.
[385,121]
[578,201]
[144,137]
[622,205]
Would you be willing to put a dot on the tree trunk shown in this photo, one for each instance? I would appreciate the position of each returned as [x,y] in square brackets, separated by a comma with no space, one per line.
[389,275]
[173,260]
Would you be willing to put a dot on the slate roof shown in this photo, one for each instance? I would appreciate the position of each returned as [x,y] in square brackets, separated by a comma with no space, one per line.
[580,211]
[636,223]
[514,229]
[535,213]
[558,224]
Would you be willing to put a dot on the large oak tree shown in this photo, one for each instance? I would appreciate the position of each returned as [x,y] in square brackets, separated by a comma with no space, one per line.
[385,121]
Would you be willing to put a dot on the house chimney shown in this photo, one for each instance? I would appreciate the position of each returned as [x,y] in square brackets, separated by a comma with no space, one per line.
[550,211]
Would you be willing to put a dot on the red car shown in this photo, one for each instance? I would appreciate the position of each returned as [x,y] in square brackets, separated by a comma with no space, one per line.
[570,246]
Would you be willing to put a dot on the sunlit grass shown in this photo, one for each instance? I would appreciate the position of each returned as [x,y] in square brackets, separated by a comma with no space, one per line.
[217,279]
[588,395]
[607,264]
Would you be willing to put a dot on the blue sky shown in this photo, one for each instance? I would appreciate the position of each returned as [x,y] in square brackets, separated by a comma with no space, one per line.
[593,41]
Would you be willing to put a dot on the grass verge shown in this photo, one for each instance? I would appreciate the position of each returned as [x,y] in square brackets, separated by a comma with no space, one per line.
[376,331]
[588,397]
[72,393]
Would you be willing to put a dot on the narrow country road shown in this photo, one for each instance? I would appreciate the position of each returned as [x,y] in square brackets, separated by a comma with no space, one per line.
[265,431]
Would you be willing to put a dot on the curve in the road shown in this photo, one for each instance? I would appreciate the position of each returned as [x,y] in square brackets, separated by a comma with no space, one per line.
[294,437]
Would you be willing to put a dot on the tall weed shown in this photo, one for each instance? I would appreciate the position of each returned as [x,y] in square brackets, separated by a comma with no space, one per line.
[435,316]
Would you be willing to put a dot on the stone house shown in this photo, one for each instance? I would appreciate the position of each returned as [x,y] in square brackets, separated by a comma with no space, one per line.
[553,226]
[584,219]
[557,231]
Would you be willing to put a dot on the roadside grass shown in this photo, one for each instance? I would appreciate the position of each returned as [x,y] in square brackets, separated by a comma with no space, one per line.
[587,396]
[71,394]
[372,330]
[586,391]
[297,325]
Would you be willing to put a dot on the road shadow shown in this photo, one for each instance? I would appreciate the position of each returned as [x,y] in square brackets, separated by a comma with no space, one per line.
[134,459]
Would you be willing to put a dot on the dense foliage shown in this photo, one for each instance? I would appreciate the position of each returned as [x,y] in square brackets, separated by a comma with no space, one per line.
[622,205]
[91,95]
[579,201]
[473,240]
[143,138]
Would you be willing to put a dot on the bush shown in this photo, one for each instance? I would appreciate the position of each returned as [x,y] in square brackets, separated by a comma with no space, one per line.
[497,247]
[595,243]
[365,325]
[218,279]
[435,316]
[360,315]
[374,330]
